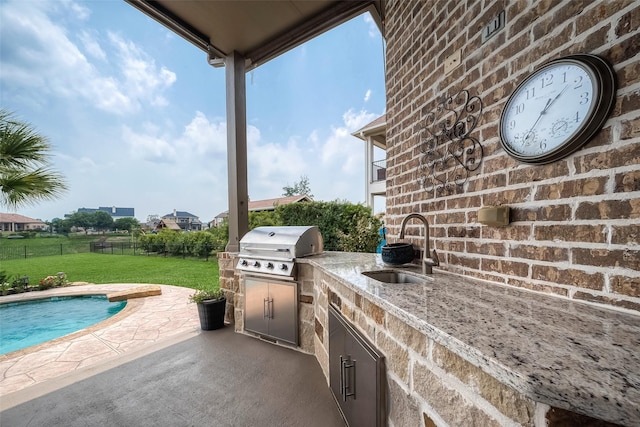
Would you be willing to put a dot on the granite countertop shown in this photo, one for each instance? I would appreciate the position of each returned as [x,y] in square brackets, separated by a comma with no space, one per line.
[564,353]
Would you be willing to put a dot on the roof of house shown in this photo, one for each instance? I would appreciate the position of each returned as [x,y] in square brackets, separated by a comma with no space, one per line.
[270,204]
[113,211]
[179,214]
[169,223]
[376,130]
[19,219]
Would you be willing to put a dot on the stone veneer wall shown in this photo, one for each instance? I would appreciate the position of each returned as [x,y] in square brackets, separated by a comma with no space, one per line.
[230,283]
[575,222]
[428,385]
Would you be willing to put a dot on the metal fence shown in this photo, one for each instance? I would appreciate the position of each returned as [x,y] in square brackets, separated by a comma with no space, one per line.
[111,248]
[32,251]
[163,249]
[379,170]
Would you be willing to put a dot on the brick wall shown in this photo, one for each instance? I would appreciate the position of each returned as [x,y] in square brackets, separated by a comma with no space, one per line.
[575,223]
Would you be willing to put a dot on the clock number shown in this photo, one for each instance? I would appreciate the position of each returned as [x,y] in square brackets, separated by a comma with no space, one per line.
[531,92]
[577,116]
[578,82]
[512,124]
[584,98]
[547,80]
[519,108]
[543,145]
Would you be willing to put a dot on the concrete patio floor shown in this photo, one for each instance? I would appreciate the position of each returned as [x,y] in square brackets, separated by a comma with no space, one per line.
[164,377]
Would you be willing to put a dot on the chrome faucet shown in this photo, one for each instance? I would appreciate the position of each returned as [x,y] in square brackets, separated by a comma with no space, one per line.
[427,262]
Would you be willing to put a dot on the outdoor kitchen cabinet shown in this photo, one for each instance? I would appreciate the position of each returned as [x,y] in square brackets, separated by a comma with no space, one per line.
[272,309]
[356,374]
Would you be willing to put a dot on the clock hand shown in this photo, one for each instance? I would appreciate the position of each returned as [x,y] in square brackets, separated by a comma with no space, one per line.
[544,110]
[551,101]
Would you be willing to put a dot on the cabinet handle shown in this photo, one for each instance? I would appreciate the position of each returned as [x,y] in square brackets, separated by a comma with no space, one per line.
[347,382]
[350,380]
[265,308]
[270,306]
[342,383]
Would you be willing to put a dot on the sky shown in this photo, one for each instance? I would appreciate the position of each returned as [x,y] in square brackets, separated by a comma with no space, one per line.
[136,115]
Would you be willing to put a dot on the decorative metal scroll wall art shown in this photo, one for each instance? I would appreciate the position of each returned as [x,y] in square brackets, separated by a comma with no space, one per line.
[449,154]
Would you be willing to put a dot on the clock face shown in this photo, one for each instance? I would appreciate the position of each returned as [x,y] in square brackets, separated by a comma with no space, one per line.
[555,110]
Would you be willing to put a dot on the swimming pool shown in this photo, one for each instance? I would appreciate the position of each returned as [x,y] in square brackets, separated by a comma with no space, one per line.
[27,323]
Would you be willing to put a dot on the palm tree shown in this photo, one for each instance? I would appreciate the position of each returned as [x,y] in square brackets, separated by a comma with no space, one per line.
[25,174]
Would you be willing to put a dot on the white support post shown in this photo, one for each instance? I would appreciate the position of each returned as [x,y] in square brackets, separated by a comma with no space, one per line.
[237,150]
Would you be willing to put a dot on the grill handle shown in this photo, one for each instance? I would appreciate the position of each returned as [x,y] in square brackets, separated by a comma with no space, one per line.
[259,249]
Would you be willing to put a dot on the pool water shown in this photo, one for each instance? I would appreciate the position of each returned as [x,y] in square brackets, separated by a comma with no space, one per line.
[27,323]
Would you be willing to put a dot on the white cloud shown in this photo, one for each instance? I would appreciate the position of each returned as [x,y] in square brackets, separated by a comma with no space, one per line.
[355,121]
[142,78]
[204,137]
[91,45]
[80,11]
[367,95]
[45,60]
[373,27]
[149,147]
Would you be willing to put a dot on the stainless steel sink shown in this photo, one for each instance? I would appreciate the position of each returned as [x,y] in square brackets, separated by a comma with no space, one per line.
[394,276]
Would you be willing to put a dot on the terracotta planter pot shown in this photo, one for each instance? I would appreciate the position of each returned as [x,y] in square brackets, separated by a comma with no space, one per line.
[212,314]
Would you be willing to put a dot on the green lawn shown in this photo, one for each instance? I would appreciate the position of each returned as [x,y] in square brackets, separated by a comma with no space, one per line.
[102,268]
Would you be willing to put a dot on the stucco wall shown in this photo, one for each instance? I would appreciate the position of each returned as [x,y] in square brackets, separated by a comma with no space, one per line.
[575,222]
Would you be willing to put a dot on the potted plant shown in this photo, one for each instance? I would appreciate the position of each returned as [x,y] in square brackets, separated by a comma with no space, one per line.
[211,306]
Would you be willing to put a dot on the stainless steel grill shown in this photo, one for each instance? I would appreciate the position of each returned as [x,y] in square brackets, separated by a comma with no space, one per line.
[273,250]
[267,263]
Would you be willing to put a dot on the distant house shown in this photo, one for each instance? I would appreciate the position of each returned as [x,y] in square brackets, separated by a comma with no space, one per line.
[15,223]
[183,220]
[168,223]
[374,136]
[263,205]
[113,211]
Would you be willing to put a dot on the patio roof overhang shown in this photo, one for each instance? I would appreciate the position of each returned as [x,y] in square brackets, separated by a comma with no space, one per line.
[241,35]
[258,30]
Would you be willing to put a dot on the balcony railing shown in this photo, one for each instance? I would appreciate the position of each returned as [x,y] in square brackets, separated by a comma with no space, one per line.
[379,171]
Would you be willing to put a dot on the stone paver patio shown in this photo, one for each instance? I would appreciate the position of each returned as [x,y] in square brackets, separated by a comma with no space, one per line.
[141,324]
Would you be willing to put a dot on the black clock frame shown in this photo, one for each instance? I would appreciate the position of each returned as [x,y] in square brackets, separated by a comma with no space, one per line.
[605,89]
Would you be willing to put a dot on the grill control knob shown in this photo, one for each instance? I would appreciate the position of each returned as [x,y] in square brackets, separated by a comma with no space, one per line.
[244,263]
[256,264]
[270,266]
[284,267]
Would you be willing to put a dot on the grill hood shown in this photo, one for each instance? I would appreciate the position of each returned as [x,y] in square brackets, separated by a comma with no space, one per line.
[281,243]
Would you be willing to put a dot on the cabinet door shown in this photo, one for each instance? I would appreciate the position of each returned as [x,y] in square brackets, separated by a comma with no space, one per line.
[360,373]
[283,312]
[256,300]
[356,374]
[337,335]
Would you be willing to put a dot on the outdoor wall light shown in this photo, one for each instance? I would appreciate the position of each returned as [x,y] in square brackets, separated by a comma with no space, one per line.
[496,216]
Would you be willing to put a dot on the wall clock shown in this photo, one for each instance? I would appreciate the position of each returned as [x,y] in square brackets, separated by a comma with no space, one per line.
[557,109]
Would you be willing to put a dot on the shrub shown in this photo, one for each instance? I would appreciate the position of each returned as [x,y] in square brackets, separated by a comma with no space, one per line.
[47,283]
[60,279]
[19,284]
[206,295]
[339,222]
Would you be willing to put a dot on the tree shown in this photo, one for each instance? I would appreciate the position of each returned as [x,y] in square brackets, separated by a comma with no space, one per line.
[128,224]
[60,225]
[299,188]
[25,174]
[80,220]
[101,220]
